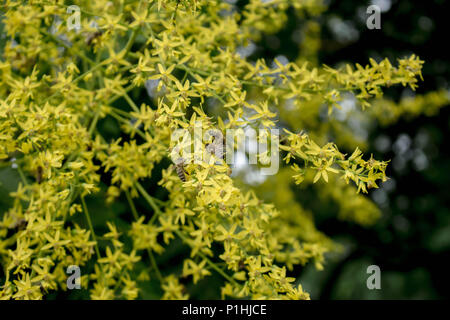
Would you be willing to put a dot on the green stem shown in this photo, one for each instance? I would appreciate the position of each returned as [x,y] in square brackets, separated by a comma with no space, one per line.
[78,78]
[155,266]
[117,96]
[72,196]
[22,175]
[150,254]
[94,123]
[208,261]
[150,201]
[125,121]
[130,41]
[132,206]
[88,218]
[131,102]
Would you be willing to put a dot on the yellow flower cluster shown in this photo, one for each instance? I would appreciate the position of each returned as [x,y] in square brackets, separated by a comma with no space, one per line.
[56,85]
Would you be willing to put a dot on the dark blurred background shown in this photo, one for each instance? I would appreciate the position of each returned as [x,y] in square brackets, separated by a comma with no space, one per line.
[411,242]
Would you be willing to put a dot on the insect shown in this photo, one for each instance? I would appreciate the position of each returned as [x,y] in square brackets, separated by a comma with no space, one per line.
[19,224]
[218,146]
[39,174]
[92,36]
[179,168]
[216,149]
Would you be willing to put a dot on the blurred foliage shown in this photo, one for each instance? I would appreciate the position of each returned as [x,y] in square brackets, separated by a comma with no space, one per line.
[411,242]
